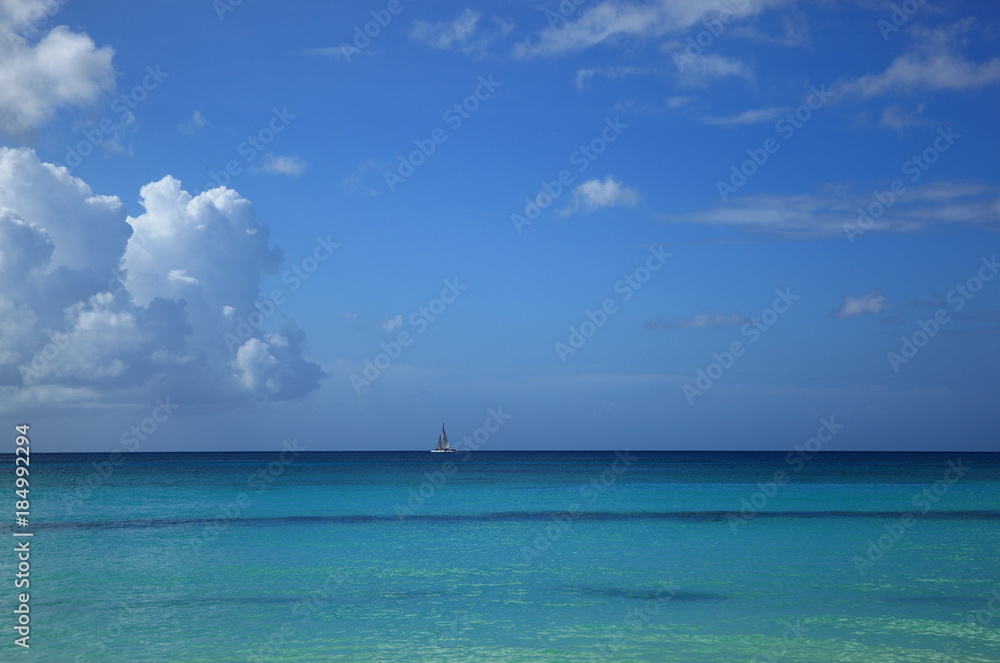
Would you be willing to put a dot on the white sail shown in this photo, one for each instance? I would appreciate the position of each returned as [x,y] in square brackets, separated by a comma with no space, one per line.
[442,444]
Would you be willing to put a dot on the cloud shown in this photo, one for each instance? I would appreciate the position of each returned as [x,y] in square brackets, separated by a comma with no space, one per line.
[193,123]
[794,31]
[459,34]
[932,62]
[583,75]
[596,194]
[814,216]
[678,102]
[752,116]
[613,22]
[97,307]
[274,165]
[368,177]
[392,324]
[706,68]
[63,68]
[871,302]
[894,117]
[707,318]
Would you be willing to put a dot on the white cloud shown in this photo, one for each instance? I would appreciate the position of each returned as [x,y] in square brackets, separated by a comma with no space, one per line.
[706,318]
[706,68]
[392,324]
[810,216]
[460,33]
[274,165]
[193,123]
[871,302]
[583,75]
[752,116]
[190,274]
[678,102]
[895,117]
[612,21]
[63,68]
[596,194]
[932,62]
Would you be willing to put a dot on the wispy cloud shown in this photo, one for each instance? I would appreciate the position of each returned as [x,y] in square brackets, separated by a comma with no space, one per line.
[193,123]
[752,116]
[871,302]
[462,33]
[596,194]
[612,22]
[583,75]
[933,62]
[895,117]
[366,178]
[706,68]
[812,216]
[704,319]
[275,165]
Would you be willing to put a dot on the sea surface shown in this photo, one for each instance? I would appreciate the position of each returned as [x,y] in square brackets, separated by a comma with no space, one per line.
[508,556]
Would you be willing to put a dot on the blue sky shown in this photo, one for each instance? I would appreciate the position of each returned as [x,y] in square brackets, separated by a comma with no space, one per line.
[626,224]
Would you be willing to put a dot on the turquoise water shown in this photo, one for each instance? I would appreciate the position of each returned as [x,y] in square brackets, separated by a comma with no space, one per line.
[510,556]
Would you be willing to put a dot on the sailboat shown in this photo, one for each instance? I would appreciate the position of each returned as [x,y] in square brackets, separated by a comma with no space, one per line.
[442,442]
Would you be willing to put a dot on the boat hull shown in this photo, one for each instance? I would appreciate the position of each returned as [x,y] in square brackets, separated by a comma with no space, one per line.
[442,451]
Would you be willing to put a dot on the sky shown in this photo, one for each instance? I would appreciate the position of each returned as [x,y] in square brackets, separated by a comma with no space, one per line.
[587,224]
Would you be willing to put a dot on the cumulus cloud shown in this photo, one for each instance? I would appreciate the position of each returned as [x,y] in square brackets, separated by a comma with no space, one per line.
[933,62]
[596,194]
[871,302]
[392,324]
[40,76]
[100,307]
[706,318]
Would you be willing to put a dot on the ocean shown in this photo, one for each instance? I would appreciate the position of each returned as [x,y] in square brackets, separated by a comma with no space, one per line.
[698,557]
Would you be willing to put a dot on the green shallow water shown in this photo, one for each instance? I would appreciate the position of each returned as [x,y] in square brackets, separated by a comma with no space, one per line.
[176,557]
